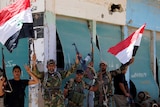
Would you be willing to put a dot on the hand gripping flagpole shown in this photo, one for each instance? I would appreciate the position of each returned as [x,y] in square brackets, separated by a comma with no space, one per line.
[5,76]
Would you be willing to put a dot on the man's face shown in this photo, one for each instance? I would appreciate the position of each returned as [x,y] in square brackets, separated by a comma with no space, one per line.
[103,67]
[16,73]
[51,68]
[79,77]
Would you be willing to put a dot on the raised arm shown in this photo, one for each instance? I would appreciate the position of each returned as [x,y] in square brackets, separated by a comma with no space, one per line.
[35,70]
[122,67]
[34,79]
[72,69]
[127,64]
[2,81]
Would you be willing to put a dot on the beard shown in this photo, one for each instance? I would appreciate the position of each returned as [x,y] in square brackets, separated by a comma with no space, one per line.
[51,71]
[103,69]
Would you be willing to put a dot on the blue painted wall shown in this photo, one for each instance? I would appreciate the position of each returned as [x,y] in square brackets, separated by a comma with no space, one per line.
[143,11]
[138,13]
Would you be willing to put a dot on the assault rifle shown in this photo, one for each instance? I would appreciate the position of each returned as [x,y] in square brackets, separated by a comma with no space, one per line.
[105,100]
[3,74]
[82,61]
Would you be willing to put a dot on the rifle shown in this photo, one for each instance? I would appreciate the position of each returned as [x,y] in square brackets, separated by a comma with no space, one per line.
[105,100]
[82,61]
[3,65]
[92,50]
[4,74]
[77,52]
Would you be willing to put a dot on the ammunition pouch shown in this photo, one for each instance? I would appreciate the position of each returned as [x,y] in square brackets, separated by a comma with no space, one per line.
[50,92]
[76,98]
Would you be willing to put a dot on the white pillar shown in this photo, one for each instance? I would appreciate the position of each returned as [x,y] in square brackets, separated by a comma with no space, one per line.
[49,37]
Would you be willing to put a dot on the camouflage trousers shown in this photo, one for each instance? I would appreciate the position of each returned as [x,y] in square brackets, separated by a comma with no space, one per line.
[55,100]
[71,104]
[101,103]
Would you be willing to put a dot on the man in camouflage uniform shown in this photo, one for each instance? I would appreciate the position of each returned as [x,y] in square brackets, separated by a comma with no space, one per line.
[51,82]
[103,94]
[74,90]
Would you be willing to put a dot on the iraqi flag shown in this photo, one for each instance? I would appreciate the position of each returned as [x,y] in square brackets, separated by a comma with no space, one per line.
[127,48]
[15,22]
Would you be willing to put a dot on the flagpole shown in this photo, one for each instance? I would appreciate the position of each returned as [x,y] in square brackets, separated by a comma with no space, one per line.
[125,36]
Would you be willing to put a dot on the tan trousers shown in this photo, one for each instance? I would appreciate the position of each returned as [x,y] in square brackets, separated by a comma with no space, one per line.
[2,102]
[121,101]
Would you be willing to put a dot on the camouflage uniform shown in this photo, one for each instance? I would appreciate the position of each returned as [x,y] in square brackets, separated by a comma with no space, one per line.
[51,86]
[53,96]
[76,93]
[102,95]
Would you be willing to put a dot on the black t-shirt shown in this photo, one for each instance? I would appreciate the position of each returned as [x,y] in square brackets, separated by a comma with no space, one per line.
[16,97]
[120,78]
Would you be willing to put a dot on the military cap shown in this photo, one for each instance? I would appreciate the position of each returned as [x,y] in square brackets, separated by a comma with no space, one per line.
[79,71]
[51,61]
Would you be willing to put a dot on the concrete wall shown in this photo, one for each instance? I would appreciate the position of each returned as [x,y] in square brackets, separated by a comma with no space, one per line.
[97,10]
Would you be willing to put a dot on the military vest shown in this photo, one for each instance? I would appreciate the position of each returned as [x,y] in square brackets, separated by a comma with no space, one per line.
[76,92]
[51,84]
[104,89]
